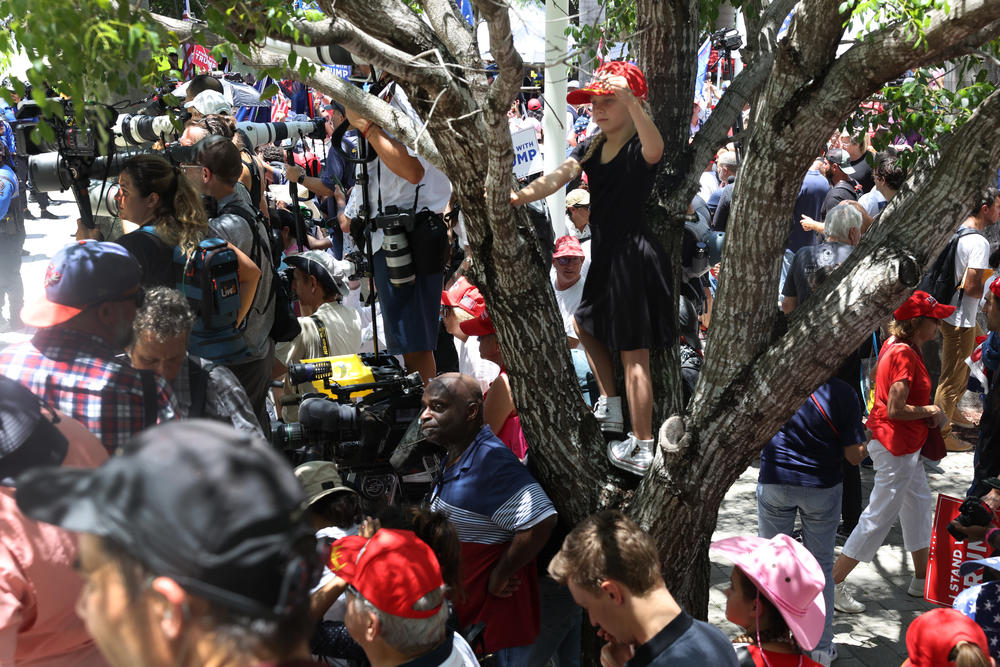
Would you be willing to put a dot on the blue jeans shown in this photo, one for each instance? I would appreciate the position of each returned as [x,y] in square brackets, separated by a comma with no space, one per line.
[513,657]
[588,385]
[819,509]
[559,638]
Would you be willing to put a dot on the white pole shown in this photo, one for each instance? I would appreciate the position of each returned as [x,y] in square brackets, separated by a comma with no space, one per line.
[554,121]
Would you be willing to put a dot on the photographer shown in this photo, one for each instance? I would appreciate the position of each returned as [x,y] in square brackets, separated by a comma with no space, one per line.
[329,328]
[217,173]
[12,237]
[152,193]
[401,178]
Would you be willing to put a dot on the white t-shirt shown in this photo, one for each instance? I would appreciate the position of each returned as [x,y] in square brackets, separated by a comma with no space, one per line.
[470,363]
[568,301]
[973,252]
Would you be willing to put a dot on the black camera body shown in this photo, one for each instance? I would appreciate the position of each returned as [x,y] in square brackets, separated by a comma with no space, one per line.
[376,442]
[727,39]
[972,512]
[393,218]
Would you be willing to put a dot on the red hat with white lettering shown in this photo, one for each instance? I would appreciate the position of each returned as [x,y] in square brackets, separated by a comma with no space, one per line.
[597,86]
[393,570]
[466,296]
[922,304]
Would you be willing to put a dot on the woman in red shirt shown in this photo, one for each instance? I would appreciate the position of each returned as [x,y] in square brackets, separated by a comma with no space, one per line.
[900,421]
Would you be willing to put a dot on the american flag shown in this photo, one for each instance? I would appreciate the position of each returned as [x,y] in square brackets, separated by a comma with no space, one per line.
[280,106]
[982,604]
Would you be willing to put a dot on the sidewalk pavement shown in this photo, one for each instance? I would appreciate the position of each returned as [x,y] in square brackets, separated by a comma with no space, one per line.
[877,637]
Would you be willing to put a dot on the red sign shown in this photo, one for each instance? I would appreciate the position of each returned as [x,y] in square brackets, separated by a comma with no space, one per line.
[201,58]
[943,580]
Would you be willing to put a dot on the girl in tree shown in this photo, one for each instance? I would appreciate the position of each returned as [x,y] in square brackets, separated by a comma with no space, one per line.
[627,305]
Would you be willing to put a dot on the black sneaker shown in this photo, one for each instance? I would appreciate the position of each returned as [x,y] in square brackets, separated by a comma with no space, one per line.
[28,215]
[46,213]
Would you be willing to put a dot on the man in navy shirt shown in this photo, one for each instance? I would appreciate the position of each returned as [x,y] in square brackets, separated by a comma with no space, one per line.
[801,473]
[501,514]
[612,569]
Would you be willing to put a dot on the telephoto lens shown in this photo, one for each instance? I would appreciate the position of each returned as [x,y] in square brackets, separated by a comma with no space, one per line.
[398,260]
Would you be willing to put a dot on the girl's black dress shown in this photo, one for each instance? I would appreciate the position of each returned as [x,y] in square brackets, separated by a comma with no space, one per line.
[627,302]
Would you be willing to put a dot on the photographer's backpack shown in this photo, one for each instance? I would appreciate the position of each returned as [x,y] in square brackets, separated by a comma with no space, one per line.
[209,279]
[286,326]
[940,281]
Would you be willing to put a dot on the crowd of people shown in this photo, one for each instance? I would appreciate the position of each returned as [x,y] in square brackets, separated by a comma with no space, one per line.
[148,519]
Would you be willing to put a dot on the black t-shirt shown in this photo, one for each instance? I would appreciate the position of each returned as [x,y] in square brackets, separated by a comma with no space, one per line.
[843,191]
[863,173]
[685,641]
[154,256]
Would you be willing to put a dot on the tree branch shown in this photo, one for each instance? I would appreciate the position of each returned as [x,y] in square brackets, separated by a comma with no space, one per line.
[339,32]
[880,273]
[510,67]
[389,21]
[454,30]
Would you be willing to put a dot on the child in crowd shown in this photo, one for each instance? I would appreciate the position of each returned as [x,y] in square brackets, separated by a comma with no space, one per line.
[946,637]
[776,596]
[627,306]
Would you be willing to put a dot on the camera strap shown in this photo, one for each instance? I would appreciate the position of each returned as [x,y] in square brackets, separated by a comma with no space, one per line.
[322,334]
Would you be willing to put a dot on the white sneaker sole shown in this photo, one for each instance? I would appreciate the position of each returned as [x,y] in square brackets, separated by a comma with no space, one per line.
[625,464]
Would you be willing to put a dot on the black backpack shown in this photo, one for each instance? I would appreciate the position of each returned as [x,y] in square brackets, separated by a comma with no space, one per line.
[940,281]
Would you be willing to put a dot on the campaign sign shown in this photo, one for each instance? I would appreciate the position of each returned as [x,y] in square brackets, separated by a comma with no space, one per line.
[200,57]
[944,582]
[527,155]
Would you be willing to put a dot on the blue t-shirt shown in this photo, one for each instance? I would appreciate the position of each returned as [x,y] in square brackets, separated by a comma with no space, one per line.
[8,188]
[685,641]
[807,451]
[809,202]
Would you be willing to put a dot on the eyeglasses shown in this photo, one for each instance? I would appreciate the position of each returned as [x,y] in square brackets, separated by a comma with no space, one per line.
[585,207]
[566,261]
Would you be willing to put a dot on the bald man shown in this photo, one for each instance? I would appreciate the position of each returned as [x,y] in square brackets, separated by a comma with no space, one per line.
[502,515]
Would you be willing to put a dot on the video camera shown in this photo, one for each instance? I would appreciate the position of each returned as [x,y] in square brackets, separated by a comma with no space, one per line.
[727,39]
[375,441]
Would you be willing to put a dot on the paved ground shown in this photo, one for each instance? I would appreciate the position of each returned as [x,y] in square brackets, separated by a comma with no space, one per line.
[877,637]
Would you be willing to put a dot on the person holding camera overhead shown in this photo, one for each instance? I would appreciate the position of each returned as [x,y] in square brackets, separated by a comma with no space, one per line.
[401,186]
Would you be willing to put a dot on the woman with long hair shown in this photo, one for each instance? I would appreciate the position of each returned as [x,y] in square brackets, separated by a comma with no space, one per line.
[153,193]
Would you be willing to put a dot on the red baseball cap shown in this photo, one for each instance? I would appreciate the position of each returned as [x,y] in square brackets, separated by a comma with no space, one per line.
[632,74]
[568,246]
[480,326]
[534,104]
[922,304]
[932,636]
[392,570]
[466,296]
[995,287]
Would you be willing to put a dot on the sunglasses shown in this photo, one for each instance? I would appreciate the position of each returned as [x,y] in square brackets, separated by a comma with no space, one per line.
[586,207]
[566,261]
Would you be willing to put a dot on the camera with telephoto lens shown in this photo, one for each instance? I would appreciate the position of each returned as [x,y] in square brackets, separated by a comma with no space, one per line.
[972,512]
[396,224]
[375,441]
[354,266]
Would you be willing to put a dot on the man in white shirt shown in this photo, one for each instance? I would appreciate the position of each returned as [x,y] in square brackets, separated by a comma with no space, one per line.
[958,331]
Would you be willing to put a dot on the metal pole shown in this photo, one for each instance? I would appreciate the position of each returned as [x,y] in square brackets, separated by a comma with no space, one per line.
[554,120]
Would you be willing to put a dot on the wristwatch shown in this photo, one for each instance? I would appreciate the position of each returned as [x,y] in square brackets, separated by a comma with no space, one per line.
[301,178]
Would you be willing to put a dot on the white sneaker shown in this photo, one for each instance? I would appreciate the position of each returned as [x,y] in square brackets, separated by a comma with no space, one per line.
[843,601]
[631,454]
[608,411]
[916,588]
